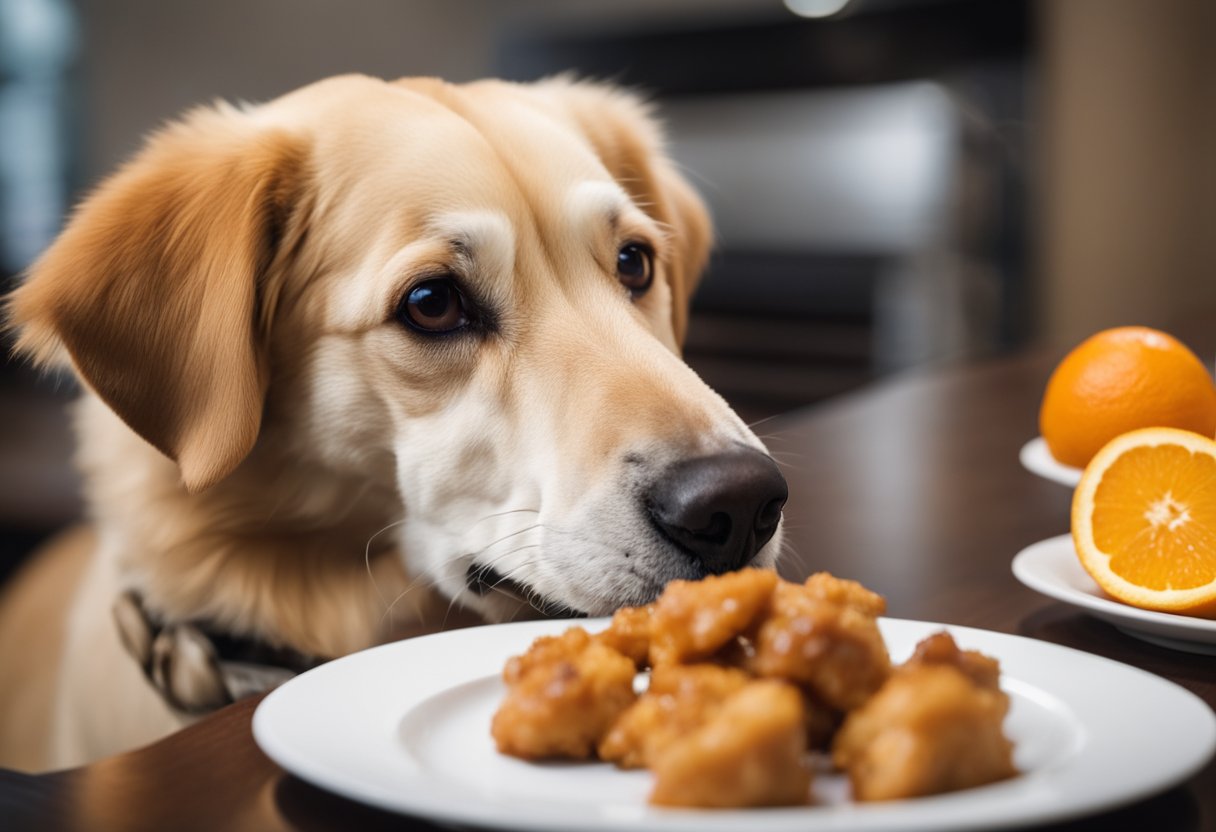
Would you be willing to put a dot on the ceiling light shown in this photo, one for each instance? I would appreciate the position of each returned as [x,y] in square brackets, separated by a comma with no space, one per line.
[815,8]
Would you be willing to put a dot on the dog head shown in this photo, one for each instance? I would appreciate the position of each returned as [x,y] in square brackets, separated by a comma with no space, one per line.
[476,294]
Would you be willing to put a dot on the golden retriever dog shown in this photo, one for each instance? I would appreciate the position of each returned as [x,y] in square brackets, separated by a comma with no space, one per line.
[354,358]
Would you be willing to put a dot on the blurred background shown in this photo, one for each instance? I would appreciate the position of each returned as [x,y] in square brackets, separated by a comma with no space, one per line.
[896,184]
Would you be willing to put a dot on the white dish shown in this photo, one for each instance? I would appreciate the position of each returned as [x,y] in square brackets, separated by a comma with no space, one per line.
[405,727]
[1051,567]
[1037,459]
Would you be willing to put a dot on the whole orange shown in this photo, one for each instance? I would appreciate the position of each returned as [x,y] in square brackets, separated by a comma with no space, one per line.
[1120,380]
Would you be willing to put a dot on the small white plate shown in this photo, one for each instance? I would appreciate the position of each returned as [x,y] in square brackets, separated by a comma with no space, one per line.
[1037,459]
[406,727]
[1051,567]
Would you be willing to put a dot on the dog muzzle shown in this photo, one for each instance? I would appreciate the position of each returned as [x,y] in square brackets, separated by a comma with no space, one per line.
[197,668]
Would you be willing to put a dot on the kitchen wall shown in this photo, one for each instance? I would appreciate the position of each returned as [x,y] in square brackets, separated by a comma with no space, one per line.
[1128,191]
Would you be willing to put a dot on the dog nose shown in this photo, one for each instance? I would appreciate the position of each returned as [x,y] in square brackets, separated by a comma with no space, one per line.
[722,508]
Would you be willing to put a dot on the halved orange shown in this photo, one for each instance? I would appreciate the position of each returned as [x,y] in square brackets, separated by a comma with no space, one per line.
[1144,520]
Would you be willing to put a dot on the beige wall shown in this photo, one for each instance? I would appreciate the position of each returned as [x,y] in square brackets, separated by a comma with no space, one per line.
[1129,175]
[144,61]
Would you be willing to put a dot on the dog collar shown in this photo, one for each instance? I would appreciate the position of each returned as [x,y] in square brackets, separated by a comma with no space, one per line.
[196,667]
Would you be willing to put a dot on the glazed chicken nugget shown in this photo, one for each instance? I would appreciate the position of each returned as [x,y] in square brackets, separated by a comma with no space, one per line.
[563,699]
[629,633]
[546,650]
[940,648]
[694,619]
[824,586]
[751,752]
[930,729]
[680,699]
[835,652]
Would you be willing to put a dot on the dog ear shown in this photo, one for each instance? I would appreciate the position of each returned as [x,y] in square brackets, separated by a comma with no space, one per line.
[628,140]
[153,288]
[692,232]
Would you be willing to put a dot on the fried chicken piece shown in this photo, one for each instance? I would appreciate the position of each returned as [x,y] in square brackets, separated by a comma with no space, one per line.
[715,736]
[694,619]
[680,699]
[940,648]
[562,695]
[835,651]
[750,752]
[824,586]
[930,729]
[629,633]
[546,650]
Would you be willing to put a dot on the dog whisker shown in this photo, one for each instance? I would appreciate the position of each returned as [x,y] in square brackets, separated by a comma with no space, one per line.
[504,513]
[490,564]
[508,577]
[446,613]
[788,465]
[388,612]
[796,454]
[367,559]
[508,537]
[436,582]
[479,571]
[772,437]
[422,582]
[753,425]
[526,590]
[428,582]
[610,551]
[786,549]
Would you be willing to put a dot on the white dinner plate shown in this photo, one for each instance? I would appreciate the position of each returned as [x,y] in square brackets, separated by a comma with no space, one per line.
[1051,567]
[1037,459]
[406,727]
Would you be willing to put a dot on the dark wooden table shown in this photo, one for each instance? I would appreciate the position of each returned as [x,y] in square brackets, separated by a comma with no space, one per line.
[912,487]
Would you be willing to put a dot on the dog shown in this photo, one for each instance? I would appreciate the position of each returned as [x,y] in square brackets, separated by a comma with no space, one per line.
[354,358]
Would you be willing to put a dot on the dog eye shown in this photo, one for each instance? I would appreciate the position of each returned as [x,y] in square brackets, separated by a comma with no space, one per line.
[434,305]
[635,267]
